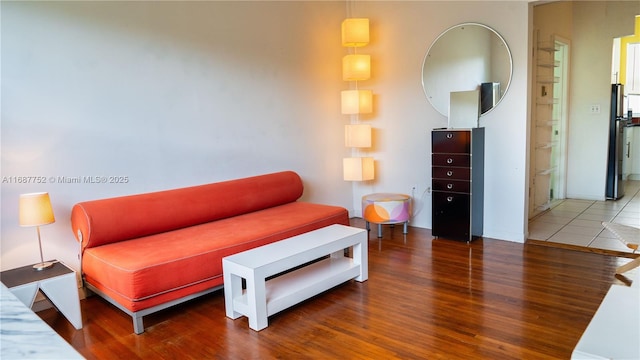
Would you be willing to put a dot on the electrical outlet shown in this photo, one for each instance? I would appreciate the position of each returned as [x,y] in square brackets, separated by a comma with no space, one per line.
[595,109]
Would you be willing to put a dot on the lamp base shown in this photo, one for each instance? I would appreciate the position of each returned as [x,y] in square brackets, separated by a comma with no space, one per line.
[43,265]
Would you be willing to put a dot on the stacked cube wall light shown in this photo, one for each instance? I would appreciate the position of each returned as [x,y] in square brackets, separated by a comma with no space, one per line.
[356,67]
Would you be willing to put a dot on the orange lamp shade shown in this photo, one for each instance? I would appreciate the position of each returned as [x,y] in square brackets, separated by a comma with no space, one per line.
[357,135]
[357,102]
[356,67]
[35,209]
[355,32]
[358,169]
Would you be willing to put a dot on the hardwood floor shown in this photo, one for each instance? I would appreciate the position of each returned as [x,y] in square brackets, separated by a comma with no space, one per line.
[425,298]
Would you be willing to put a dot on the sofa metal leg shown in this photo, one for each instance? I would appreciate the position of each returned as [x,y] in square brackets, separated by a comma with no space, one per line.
[138,327]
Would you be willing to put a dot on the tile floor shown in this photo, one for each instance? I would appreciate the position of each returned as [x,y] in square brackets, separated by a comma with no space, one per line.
[578,222]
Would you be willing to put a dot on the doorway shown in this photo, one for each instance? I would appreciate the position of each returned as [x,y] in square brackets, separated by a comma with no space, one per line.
[549,125]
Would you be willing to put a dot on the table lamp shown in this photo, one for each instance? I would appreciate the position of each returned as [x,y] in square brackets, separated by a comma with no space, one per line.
[36,210]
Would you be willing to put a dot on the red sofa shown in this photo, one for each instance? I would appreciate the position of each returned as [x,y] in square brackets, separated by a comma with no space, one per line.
[146,252]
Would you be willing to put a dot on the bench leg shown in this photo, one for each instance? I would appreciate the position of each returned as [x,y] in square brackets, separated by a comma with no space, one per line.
[361,257]
[257,302]
[232,290]
[379,230]
[405,229]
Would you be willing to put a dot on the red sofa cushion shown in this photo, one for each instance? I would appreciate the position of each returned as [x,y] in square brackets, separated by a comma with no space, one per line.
[150,270]
[105,221]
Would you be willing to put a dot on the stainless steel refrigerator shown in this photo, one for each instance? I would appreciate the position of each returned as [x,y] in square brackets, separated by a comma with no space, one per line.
[617,123]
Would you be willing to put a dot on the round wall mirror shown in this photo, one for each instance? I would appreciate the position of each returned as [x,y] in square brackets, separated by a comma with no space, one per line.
[467,57]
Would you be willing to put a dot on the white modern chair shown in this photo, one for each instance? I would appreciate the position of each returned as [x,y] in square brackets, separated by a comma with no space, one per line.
[630,237]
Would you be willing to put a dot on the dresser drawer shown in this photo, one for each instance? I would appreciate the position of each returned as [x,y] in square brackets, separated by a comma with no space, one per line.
[462,160]
[458,186]
[451,141]
[454,173]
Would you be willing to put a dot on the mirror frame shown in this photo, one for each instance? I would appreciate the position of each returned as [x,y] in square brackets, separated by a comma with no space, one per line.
[444,111]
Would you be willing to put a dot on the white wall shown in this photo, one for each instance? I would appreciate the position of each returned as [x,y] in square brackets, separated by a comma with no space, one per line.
[595,24]
[181,93]
[403,32]
[168,94]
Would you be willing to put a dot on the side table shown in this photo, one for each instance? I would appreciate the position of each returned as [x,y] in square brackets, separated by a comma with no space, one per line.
[386,208]
[57,283]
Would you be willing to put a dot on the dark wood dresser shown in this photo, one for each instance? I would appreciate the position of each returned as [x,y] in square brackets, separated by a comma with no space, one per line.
[458,183]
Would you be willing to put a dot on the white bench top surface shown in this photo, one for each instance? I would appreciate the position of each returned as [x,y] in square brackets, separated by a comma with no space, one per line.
[299,244]
[614,331]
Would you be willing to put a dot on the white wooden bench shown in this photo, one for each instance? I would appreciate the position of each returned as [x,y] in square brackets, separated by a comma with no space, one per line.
[263,298]
[614,330]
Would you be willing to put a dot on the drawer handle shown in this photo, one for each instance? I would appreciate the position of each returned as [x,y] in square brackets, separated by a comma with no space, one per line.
[449,186]
[449,160]
[449,173]
[449,135]
[449,198]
